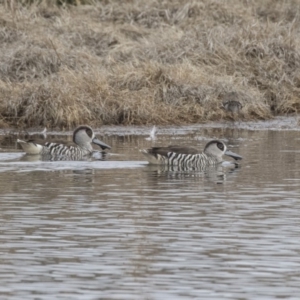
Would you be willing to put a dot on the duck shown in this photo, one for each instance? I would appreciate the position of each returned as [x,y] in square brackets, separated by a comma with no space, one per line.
[232,106]
[188,156]
[83,138]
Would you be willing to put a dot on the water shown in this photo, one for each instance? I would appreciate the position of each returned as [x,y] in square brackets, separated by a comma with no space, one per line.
[120,229]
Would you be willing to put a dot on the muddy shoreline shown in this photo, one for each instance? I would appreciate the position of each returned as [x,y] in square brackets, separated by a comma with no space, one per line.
[290,123]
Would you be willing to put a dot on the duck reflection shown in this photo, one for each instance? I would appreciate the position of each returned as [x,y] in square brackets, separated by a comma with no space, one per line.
[217,174]
[96,155]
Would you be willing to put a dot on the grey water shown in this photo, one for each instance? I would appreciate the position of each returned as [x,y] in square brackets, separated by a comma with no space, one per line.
[121,229]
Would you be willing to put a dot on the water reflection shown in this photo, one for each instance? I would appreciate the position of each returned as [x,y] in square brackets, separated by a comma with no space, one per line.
[96,155]
[216,174]
[122,229]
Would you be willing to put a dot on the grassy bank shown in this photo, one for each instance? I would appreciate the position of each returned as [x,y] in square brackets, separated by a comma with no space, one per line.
[147,62]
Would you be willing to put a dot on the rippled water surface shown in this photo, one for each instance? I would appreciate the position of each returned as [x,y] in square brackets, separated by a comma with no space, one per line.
[121,229]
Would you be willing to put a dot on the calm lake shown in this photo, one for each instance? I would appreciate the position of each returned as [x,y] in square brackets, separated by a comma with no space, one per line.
[121,229]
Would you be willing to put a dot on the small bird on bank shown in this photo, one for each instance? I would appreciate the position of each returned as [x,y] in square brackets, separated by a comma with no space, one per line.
[83,137]
[189,157]
[44,133]
[232,106]
[152,135]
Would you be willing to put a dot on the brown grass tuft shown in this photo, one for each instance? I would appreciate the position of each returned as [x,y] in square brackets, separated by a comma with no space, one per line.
[141,62]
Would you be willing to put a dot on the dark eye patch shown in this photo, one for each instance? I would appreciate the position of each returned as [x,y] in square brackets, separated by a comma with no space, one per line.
[220,146]
[89,132]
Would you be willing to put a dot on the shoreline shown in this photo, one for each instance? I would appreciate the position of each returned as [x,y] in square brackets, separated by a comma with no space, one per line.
[280,123]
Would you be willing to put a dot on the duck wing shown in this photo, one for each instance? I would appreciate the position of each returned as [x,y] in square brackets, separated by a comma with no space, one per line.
[172,148]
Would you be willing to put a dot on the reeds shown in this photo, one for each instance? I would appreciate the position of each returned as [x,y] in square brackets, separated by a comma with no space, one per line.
[147,62]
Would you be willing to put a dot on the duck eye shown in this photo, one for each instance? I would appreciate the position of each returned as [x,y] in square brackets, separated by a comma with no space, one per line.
[220,146]
[89,132]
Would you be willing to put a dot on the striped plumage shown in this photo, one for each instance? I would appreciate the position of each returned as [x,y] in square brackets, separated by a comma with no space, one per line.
[83,137]
[189,157]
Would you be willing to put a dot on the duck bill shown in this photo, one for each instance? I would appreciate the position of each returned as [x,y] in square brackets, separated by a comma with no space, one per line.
[101,144]
[233,155]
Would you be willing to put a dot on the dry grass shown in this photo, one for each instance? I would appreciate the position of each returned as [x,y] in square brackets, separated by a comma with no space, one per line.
[147,62]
